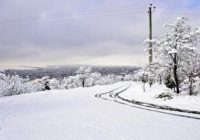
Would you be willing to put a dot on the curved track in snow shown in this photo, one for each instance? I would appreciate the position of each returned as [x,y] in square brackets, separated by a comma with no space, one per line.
[150,105]
[110,94]
[114,96]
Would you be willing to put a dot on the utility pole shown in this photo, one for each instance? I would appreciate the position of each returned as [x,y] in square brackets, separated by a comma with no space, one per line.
[150,33]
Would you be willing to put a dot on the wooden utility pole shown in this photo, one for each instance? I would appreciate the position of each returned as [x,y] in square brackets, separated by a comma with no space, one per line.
[150,33]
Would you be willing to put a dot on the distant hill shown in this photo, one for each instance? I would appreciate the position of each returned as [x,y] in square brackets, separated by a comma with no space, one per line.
[64,71]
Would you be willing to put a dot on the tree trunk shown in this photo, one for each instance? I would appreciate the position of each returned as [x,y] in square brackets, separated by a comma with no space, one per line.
[83,82]
[191,86]
[160,79]
[143,87]
[175,74]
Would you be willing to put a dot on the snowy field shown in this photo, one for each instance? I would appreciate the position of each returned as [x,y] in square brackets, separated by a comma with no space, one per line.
[76,114]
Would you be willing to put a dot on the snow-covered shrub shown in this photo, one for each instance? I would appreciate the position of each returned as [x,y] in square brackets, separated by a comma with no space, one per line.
[71,82]
[197,85]
[142,76]
[169,82]
[128,77]
[14,85]
[43,83]
[105,80]
[165,96]
[93,79]
[54,83]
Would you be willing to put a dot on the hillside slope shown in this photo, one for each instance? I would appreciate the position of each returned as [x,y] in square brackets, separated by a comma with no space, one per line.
[77,115]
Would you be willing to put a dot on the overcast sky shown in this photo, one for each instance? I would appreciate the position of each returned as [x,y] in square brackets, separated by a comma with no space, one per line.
[97,32]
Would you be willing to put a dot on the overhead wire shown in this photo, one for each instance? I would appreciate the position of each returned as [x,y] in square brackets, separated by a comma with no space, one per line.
[71,14]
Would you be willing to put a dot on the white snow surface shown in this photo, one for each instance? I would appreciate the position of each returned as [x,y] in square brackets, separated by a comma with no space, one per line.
[76,114]
[181,101]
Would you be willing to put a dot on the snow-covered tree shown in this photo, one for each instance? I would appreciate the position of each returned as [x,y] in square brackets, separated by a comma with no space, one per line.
[142,76]
[176,49]
[191,69]
[71,82]
[43,82]
[94,79]
[196,85]
[54,83]
[128,77]
[83,72]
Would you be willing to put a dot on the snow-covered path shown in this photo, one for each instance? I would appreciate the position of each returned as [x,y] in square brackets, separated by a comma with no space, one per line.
[77,115]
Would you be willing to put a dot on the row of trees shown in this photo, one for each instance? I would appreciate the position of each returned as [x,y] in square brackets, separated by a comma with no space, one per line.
[86,78]
[14,85]
[177,58]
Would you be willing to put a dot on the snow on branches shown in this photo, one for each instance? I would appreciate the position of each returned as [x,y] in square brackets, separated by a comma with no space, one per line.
[177,51]
[14,85]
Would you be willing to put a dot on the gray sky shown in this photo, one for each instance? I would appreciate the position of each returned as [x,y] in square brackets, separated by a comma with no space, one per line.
[96,32]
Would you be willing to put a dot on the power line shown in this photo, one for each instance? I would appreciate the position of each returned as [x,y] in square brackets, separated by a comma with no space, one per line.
[70,18]
[92,13]
[80,12]
[180,12]
[176,10]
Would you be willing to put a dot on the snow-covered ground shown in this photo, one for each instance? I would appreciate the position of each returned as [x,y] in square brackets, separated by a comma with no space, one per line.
[181,101]
[76,114]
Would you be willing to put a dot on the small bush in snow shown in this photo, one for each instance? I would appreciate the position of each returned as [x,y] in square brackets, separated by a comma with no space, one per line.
[165,96]
[169,82]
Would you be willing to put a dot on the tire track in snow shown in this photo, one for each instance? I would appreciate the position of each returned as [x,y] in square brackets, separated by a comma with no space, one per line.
[114,96]
[150,105]
[108,95]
